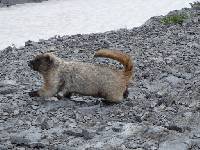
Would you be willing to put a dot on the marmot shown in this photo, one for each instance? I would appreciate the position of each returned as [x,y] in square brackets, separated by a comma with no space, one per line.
[83,78]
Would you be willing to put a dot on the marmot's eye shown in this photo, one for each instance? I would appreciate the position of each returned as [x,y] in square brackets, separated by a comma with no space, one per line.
[37,60]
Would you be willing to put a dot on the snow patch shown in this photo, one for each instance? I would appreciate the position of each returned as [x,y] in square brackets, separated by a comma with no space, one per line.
[34,21]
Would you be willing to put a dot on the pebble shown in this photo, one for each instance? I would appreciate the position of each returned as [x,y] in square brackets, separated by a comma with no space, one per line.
[16,112]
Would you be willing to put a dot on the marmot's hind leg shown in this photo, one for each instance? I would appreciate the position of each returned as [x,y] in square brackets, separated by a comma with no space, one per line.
[115,98]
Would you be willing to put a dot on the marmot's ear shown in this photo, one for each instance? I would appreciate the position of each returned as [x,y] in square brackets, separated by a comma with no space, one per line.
[49,58]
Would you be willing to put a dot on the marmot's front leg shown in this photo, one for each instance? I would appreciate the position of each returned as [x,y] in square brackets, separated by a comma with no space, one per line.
[63,92]
[45,91]
[60,96]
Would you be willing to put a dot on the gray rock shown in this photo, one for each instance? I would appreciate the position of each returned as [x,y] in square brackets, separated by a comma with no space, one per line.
[19,141]
[87,135]
[37,145]
[5,91]
[177,145]
[45,125]
[73,133]
[161,111]
[2,147]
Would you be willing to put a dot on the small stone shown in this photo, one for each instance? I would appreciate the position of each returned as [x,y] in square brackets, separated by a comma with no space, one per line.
[173,80]
[196,135]
[86,118]
[176,145]
[117,129]
[53,99]
[122,114]
[7,82]
[20,122]
[34,107]
[5,114]
[64,147]
[109,124]
[187,114]
[87,135]
[45,125]
[6,91]
[112,115]
[73,133]
[21,148]
[28,123]
[37,145]
[19,141]
[2,147]
[16,112]
[138,119]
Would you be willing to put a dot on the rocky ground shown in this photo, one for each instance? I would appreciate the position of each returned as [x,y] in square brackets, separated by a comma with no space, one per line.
[162,111]
[7,3]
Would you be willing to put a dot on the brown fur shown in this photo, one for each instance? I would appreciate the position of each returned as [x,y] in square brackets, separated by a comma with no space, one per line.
[83,78]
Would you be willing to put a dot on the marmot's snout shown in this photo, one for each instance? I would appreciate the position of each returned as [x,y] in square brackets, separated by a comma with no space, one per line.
[33,65]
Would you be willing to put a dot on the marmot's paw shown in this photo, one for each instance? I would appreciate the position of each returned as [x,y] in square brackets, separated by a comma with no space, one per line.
[67,95]
[59,97]
[33,94]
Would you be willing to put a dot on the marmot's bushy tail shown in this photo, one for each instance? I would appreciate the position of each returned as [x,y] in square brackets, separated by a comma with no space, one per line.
[119,56]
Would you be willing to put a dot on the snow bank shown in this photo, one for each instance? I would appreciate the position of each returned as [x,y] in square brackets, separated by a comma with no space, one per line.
[34,21]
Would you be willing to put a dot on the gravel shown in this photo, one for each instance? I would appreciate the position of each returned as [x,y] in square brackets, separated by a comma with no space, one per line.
[161,112]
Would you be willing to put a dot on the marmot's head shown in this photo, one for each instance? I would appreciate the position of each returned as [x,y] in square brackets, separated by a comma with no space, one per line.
[43,62]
